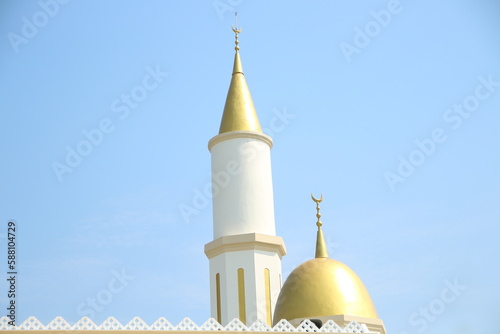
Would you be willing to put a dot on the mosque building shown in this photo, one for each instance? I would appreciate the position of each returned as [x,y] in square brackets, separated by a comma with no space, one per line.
[246,290]
[245,255]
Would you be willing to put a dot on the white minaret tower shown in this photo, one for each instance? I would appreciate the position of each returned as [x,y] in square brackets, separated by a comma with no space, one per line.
[245,255]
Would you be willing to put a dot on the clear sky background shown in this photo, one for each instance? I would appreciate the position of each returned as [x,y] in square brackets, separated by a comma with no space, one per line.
[410,182]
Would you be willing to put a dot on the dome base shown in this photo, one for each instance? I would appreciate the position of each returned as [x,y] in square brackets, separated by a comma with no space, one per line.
[374,325]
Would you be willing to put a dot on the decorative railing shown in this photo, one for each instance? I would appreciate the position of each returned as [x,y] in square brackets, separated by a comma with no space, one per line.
[162,324]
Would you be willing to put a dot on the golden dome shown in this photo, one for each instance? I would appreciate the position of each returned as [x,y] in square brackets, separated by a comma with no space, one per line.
[323,287]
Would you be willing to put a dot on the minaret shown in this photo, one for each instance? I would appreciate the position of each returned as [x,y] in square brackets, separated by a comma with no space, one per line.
[245,255]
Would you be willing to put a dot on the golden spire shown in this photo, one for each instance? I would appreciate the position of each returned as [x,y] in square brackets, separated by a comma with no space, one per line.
[239,111]
[321,250]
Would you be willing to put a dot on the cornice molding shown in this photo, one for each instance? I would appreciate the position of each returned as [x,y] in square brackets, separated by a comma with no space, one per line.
[242,242]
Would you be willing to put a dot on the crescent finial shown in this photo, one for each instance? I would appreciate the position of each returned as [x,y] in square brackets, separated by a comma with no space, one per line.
[318,214]
[317,200]
[236,31]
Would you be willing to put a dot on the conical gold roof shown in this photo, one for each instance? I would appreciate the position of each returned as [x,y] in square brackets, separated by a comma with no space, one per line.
[239,111]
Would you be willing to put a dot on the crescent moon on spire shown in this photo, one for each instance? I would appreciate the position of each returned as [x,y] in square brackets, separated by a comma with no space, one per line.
[236,30]
[317,200]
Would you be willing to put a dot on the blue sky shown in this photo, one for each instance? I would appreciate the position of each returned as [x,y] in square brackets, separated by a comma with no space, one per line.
[388,108]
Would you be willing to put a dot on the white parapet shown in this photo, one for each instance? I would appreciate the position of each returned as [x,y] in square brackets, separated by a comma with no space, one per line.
[86,325]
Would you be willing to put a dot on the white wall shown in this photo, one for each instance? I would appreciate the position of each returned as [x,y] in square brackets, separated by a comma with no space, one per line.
[242,187]
[253,262]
